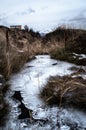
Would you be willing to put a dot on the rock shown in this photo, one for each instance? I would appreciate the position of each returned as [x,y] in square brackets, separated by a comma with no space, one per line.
[54,64]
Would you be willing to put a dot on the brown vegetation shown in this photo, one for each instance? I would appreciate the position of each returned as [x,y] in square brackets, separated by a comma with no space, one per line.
[3,105]
[65,91]
[66,55]
[15,49]
[17,46]
[67,37]
[70,41]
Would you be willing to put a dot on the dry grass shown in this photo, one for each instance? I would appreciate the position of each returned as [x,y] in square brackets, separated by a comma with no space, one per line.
[66,55]
[13,58]
[4,107]
[37,47]
[15,49]
[21,46]
[64,42]
[65,91]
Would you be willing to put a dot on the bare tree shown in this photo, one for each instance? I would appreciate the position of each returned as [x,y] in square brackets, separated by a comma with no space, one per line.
[26,28]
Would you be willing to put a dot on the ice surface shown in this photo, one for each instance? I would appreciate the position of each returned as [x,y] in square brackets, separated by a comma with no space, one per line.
[29,82]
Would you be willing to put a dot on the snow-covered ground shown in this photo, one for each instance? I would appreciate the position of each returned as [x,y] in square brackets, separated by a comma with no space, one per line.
[79,56]
[29,81]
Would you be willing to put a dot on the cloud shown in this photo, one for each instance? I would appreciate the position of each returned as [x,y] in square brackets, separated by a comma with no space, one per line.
[81,17]
[79,20]
[25,12]
[43,15]
[15,17]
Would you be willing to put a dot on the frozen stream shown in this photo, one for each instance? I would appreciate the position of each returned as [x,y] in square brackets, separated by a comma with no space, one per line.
[29,81]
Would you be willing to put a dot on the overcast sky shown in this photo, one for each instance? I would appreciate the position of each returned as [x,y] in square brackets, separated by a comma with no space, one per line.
[43,15]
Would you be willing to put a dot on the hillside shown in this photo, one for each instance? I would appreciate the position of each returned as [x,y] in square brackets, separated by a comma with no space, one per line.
[17,46]
[71,42]
[73,39]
